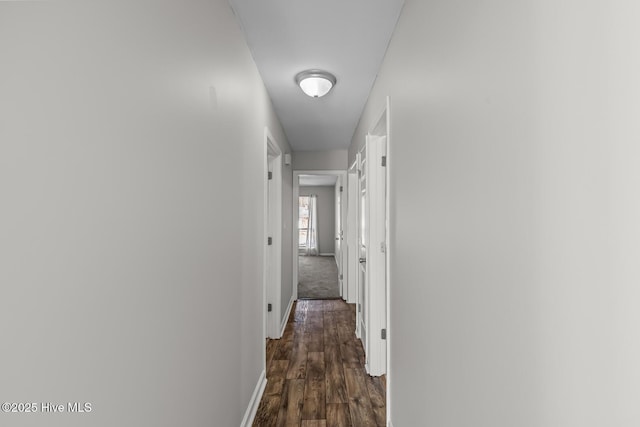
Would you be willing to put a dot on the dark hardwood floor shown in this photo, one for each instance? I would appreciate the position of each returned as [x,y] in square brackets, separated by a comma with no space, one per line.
[315,372]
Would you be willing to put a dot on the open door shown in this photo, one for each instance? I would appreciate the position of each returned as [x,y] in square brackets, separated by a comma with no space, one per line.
[372,234]
[351,261]
[362,319]
[375,196]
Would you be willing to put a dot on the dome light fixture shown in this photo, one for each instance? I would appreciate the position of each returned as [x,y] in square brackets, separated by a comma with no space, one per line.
[315,83]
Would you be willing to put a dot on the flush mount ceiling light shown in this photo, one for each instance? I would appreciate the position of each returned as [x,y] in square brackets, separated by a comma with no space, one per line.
[315,83]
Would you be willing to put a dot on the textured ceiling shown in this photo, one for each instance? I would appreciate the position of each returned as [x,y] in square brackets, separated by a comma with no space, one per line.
[348,38]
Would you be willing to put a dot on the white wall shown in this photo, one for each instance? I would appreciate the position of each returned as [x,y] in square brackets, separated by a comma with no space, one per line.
[130,266]
[326,216]
[515,234]
[320,160]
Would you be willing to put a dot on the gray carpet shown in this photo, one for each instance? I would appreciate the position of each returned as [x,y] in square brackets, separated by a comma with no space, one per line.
[317,277]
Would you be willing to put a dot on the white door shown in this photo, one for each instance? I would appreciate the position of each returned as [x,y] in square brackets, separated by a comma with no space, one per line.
[376,254]
[361,308]
[352,265]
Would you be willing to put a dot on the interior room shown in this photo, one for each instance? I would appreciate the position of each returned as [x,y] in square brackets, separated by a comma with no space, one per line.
[317,264]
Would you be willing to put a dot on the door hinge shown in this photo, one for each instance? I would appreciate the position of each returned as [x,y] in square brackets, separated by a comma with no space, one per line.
[270,175]
[383,247]
[384,160]
[341,188]
[269,241]
[359,308]
[383,334]
[341,277]
[269,308]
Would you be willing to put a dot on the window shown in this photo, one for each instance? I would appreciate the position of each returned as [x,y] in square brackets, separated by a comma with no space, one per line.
[303,220]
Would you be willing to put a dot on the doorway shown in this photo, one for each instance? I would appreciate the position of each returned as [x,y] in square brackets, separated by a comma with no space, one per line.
[320,214]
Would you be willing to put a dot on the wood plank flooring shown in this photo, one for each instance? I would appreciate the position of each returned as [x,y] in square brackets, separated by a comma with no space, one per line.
[316,375]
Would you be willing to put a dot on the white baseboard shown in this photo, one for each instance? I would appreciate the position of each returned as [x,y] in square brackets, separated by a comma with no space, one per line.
[250,413]
[283,324]
[327,254]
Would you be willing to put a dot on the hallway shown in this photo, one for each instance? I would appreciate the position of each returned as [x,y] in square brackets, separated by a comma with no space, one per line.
[316,374]
[151,157]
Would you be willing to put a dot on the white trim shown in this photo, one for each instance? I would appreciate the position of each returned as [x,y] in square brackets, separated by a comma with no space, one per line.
[340,213]
[250,413]
[328,254]
[286,316]
[390,218]
[359,298]
[296,194]
[272,227]
[343,266]
[352,234]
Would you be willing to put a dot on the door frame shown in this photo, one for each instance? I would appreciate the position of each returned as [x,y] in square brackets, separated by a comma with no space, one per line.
[386,121]
[339,196]
[378,254]
[375,305]
[272,209]
[352,233]
[341,174]
[361,157]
